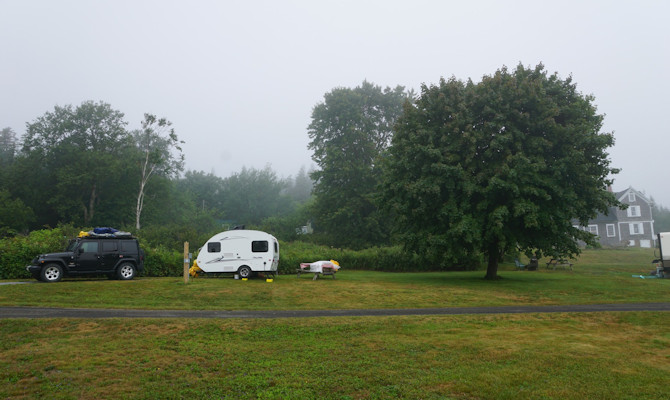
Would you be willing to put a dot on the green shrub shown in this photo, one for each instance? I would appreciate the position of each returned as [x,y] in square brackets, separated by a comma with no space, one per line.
[390,259]
[161,261]
[18,251]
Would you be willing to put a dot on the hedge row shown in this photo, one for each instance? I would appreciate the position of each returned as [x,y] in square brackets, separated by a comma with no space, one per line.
[17,252]
[390,259]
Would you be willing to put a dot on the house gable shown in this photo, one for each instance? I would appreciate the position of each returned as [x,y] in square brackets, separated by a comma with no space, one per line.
[633,226]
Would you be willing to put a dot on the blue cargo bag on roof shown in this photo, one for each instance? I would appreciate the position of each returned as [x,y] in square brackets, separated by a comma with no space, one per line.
[104,230]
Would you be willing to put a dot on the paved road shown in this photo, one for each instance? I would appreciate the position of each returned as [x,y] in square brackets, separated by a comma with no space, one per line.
[43,312]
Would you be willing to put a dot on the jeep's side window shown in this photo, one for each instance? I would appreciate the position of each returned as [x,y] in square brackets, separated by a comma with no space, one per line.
[214,247]
[90,247]
[128,246]
[259,246]
[108,246]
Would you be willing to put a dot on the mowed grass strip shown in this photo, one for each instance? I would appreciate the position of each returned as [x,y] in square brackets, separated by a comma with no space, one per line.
[566,356]
[599,276]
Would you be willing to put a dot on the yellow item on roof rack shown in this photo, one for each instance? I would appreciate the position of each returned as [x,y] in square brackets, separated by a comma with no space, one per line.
[83,234]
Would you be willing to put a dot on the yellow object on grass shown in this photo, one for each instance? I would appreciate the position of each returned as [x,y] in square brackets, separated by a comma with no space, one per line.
[193,271]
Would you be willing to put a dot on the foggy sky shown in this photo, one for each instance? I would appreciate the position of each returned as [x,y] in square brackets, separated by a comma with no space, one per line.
[239,79]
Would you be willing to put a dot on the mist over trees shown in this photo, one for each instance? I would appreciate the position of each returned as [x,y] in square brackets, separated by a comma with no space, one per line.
[80,165]
[462,173]
[661,216]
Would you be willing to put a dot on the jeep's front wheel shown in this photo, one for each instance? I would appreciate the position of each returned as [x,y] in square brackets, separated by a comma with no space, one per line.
[51,273]
[125,271]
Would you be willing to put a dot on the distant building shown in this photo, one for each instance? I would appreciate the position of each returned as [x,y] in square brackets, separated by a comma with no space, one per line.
[305,229]
[633,226]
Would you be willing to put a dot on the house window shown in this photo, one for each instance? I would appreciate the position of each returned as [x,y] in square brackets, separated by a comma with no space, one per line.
[634,211]
[631,197]
[636,228]
[610,230]
[592,229]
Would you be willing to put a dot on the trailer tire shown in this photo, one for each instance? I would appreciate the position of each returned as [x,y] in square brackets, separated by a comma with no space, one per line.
[244,271]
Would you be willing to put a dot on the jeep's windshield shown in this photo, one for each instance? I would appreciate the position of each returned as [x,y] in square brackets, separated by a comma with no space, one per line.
[71,245]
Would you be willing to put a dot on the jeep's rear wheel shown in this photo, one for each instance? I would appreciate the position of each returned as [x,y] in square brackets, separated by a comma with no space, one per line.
[51,273]
[126,271]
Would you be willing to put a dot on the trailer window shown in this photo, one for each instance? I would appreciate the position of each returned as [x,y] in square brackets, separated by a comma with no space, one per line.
[214,247]
[259,246]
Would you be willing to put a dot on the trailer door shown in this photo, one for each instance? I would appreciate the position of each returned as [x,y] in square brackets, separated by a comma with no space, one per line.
[275,256]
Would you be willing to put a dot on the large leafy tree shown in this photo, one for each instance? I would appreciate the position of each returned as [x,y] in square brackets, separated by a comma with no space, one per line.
[349,132]
[502,165]
[78,157]
[251,195]
[160,153]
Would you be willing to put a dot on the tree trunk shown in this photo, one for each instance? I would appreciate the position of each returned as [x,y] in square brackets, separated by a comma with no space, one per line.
[140,205]
[88,212]
[492,267]
[146,173]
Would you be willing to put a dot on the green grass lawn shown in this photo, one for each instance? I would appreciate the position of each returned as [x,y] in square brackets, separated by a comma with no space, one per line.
[606,355]
[599,276]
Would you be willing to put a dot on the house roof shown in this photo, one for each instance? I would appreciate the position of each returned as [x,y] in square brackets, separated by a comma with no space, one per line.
[609,217]
[624,194]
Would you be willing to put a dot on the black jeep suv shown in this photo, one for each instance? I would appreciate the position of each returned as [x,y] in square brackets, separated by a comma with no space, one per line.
[115,256]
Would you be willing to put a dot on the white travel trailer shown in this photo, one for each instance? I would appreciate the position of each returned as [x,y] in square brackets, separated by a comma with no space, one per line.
[241,252]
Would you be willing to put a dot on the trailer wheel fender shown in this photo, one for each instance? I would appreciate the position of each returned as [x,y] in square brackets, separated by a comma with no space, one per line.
[244,271]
